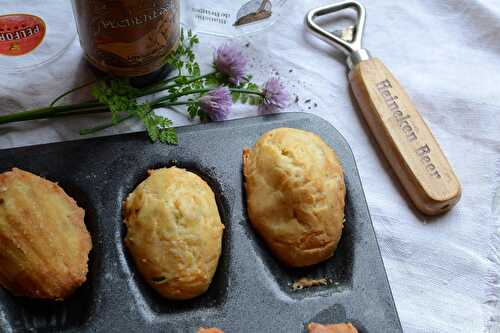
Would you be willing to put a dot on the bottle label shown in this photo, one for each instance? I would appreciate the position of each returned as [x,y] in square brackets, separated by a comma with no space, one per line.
[20,33]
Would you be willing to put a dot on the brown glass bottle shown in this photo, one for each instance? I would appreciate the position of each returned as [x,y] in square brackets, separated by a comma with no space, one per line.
[128,38]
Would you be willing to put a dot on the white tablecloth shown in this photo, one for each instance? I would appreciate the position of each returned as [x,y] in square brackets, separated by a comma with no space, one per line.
[444,271]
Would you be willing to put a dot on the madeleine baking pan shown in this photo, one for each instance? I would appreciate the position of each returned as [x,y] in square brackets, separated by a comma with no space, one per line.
[251,291]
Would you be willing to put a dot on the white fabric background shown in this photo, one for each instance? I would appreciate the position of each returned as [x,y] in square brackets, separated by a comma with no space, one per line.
[444,272]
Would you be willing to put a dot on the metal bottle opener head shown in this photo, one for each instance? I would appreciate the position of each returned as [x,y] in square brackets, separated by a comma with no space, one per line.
[347,40]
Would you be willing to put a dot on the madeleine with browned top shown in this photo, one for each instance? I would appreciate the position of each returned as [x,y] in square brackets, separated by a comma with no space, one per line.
[44,244]
[174,232]
[295,195]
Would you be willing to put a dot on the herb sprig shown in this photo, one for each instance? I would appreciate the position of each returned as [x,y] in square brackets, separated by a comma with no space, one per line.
[207,96]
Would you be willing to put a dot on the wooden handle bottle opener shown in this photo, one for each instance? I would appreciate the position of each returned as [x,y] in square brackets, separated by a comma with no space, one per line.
[405,139]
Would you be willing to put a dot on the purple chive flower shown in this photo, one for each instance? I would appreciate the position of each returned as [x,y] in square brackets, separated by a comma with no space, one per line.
[275,96]
[230,61]
[217,103]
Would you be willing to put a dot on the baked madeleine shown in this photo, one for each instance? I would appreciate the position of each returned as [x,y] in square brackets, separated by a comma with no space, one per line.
[44,244]
[295,195]
[174,232]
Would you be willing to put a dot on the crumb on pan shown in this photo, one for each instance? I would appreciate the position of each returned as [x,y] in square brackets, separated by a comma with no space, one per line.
[307,282]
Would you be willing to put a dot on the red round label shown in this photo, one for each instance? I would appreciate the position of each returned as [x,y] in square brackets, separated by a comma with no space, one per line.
[20,33]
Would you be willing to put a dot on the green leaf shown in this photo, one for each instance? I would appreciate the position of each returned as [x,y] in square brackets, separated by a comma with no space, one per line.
[181,80]
[243,98]
[119,96]
[236,96]
[211,81]
[255,100]
[193,109]
[203,116]
[169,136]
[196,70]
[252,86]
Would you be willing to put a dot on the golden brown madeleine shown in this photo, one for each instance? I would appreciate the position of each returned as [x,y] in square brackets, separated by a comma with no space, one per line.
[44,244]
[295,195]
[174,232]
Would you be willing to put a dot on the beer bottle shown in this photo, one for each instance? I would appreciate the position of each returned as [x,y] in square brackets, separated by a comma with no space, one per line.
[129,38]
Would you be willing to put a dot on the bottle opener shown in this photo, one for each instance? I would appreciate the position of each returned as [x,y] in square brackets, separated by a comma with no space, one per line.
[402,134]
